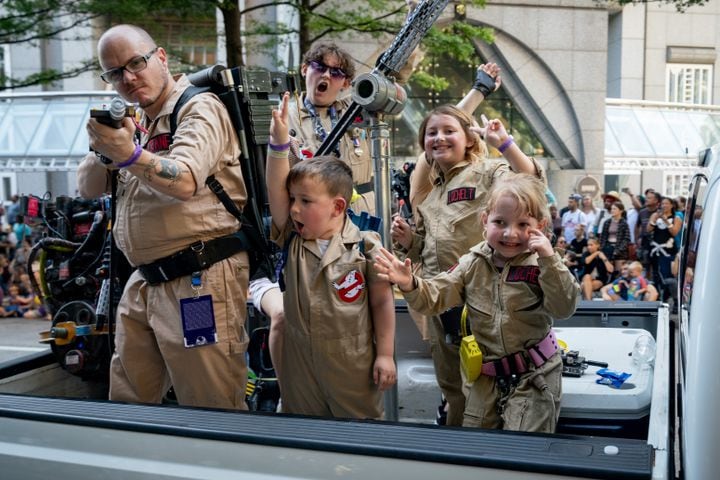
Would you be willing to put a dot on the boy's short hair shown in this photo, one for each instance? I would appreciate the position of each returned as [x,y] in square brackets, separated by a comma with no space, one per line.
[318,51]
[334,174]
[635,265]
[527,190]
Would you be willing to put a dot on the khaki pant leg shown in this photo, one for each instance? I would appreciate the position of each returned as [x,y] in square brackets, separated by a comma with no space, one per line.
[210,375]
[446,359]
[531,408]
[301,393]
[137,369]
[481,409]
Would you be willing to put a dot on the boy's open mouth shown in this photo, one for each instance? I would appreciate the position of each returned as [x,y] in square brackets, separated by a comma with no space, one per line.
[322,87]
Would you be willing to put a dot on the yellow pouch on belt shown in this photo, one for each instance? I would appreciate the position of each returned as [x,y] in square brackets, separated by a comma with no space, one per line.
[470,358]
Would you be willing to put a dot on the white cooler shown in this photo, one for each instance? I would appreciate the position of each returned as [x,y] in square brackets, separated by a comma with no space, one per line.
[583,398]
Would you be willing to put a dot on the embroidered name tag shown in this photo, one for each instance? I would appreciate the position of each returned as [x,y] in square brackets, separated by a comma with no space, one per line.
[461,194]
[526,274]
[159,143]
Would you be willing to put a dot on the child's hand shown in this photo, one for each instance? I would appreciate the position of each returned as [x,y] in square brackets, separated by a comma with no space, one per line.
[279,122]
[384,372]
[539,243]
[492,131]
[391,269]
[401,232]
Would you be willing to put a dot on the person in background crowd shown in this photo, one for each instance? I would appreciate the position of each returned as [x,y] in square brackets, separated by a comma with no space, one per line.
[615,235]
[642,234]
[591,212]
[596,269]
[609,199]
[573,216]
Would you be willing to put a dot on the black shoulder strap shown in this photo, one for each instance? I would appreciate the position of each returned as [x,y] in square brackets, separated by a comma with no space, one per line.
[189,92]
[259,251]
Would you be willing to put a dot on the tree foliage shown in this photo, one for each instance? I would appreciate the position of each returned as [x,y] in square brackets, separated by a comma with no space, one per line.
[680,5]
[31,21]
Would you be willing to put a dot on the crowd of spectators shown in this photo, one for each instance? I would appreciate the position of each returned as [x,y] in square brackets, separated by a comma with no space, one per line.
[17,298]
[624,250]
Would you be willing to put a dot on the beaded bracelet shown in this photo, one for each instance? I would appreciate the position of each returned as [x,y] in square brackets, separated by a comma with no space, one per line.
[133,158]
[279,148]
[508,141]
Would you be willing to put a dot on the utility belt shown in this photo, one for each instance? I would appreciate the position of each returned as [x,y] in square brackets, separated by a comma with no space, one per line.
[517,363]
[198,256]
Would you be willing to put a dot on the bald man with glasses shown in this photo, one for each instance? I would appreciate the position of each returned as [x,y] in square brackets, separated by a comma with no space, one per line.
[181,318]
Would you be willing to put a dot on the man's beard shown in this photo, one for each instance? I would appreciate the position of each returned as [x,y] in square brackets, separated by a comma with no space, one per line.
[151,101]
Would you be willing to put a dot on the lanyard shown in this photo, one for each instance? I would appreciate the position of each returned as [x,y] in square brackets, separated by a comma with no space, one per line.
[320,131]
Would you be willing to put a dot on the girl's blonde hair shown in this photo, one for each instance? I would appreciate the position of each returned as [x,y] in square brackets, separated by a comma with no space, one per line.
[474,153]
[527,190]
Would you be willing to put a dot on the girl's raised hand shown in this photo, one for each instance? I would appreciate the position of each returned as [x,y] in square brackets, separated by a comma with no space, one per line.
[492,131]
[539,243]
[279,123]
[392,269]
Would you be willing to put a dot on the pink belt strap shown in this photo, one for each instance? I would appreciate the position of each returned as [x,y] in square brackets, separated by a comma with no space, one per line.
[515,362]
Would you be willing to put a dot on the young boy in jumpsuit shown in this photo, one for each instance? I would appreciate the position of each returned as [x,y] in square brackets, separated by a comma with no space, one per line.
[337,354]
[514,284]
[446,219]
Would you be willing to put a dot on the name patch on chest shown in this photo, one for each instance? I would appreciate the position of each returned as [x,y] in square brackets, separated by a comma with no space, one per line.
[524,274]
[349,288]
[462,194]
[159,143]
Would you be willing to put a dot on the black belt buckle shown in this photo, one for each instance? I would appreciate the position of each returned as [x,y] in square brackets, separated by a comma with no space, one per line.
[198,249]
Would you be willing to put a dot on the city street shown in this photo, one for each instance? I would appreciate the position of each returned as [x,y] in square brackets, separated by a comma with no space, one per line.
[19,336]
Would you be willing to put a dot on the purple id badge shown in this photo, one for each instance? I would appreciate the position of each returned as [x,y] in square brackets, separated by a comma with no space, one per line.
[198,321]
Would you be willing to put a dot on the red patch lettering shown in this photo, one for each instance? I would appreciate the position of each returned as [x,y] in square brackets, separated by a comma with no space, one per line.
[524,274]
[462,194]
[349,288]
[159,143]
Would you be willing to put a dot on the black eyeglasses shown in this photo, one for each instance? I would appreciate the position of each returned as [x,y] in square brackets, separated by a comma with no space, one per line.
[335,72]
[135,65]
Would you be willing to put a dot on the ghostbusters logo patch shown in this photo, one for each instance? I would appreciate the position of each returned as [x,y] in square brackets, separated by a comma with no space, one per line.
[462,194]
[524,274]
[350,287]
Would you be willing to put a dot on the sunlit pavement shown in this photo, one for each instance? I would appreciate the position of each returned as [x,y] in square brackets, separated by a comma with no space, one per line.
[19,336]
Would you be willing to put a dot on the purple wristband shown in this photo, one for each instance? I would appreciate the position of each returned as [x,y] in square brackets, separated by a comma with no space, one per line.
[133,158]
[279,148]
[508,141]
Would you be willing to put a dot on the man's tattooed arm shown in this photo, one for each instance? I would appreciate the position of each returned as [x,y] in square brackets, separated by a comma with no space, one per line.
[169,170]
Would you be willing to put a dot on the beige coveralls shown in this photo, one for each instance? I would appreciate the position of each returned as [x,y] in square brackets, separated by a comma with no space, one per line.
[448,224]
[359,159]
[508,312]
[150,354]
[329,351]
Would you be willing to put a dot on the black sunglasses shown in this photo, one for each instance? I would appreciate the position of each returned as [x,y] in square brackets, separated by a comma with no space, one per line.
[135,65]
[335,72]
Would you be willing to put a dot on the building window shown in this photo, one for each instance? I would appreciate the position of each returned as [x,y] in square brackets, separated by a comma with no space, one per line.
[689,83]
[677,183]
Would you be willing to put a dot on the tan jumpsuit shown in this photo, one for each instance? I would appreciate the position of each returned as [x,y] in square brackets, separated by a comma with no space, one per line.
[509,312]
[150,354]
[329,351]
[448,224]
[358,157]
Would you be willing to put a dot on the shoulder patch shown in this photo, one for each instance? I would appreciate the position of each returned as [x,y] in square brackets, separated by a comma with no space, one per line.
[350,287]
[462,194]
[524,274]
